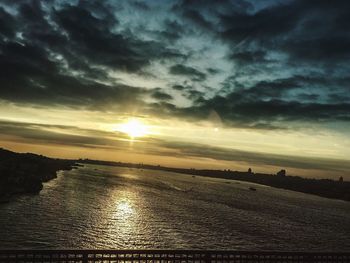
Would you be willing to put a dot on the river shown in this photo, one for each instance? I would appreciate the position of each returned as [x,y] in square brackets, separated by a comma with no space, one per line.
[112,207]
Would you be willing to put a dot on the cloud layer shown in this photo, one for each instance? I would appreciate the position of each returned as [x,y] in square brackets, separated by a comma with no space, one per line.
[259,65]
[90,139]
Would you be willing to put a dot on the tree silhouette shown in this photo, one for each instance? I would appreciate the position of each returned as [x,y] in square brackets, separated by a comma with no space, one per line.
[282,173]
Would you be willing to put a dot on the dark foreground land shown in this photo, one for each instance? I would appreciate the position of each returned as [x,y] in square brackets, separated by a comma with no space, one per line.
[25,172]
[321,187]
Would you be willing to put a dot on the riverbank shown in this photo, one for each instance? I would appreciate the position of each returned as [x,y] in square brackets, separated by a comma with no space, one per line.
[321,187]
[24,173]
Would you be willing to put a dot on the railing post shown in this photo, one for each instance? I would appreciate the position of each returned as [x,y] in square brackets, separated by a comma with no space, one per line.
[308,258]
[207,257]
[85,257]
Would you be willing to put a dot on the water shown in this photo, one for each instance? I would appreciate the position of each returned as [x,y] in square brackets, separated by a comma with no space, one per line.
[112,207]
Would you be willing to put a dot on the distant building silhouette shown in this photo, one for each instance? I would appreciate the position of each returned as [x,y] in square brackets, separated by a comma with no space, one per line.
[281,173]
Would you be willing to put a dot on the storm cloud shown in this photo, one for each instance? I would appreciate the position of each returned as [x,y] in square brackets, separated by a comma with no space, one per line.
[264,62]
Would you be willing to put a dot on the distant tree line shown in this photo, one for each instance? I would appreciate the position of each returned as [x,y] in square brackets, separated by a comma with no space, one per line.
[336,189]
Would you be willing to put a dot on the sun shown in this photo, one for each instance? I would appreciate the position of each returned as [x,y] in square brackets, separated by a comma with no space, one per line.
[134,128]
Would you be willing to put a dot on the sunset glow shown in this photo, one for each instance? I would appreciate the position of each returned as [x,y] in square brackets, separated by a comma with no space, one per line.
[178,83]
[134,128]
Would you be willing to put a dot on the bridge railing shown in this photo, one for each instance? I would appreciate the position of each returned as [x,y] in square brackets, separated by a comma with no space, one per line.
[166,256]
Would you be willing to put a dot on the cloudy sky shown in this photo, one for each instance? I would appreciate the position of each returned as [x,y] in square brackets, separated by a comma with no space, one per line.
[235,84]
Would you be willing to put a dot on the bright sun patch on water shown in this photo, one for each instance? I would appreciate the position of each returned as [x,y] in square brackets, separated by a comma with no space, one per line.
[124,208]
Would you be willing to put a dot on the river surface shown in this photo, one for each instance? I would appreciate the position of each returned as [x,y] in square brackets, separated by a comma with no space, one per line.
[112,207]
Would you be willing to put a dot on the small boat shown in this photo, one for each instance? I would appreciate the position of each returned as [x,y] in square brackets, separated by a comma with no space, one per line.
[252,189]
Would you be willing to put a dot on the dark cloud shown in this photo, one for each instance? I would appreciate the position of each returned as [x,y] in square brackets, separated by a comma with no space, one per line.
[266,24]
[195,95]
[7,28]
[28,76]
[252,113]
[308,97]
[197,18]
[193,73]
[270,104]
[160,95]
[92,38]
[301,33]
[178,87]
[328,49]
[339,98]
[288,59]
[141,5]
[207,7]
[173,30]
[190,93]
[267,90]
[313,30]
[213,71]
[248,57]
[37,68]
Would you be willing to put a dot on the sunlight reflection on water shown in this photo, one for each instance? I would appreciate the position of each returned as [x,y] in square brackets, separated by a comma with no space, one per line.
[124,209]
[125,217]
[111,207]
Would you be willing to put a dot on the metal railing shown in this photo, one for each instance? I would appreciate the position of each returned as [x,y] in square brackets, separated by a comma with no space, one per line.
[166,256]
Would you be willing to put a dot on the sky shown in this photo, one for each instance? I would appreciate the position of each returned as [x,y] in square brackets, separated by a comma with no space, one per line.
[226,84]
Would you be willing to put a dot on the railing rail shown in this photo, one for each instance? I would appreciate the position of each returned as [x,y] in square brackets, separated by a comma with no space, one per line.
[167,256]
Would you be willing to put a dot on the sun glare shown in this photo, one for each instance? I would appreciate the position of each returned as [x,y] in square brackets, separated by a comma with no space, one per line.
[134,128]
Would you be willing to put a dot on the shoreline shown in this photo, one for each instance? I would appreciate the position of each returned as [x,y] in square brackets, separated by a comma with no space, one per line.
[326,188]
[25,173]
